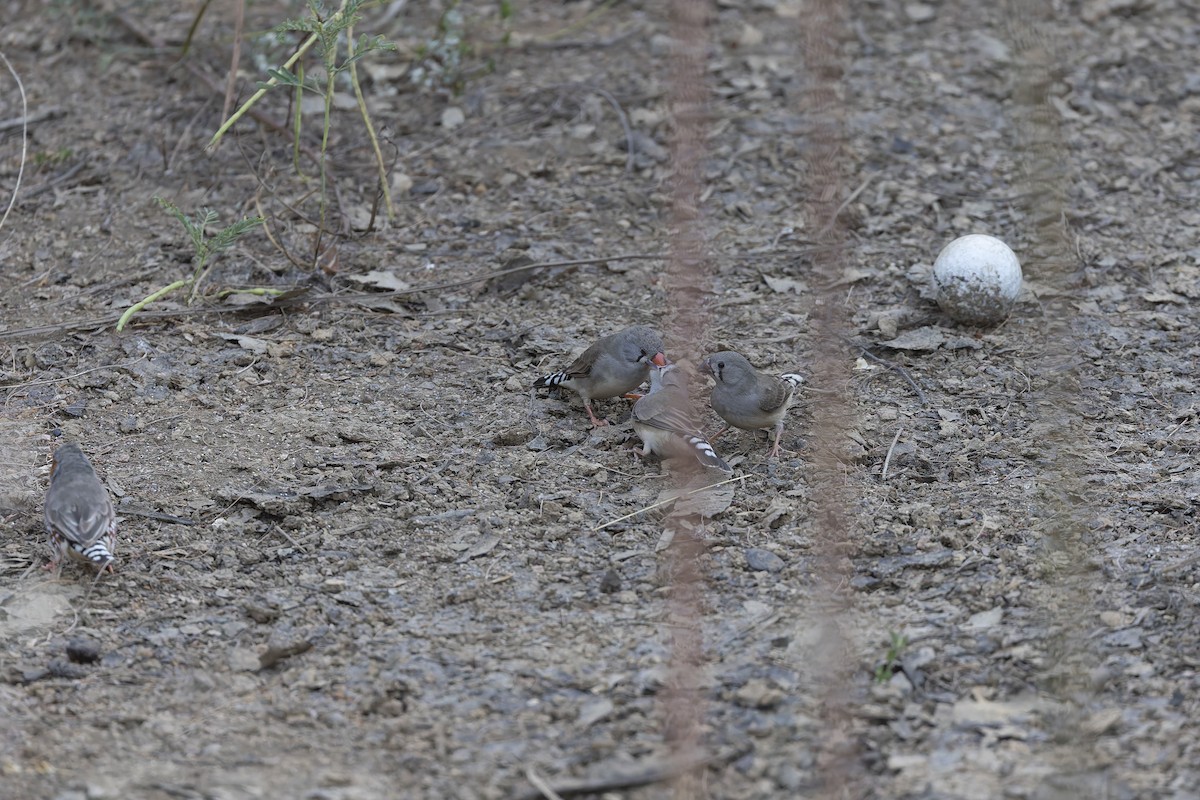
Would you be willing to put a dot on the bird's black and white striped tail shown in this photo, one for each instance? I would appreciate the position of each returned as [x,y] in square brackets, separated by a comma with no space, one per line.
[98,552]
[551,380]
[705,453]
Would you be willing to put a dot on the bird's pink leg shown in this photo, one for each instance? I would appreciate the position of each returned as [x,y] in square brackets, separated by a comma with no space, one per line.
[55,565]
[597,422]
[778,435]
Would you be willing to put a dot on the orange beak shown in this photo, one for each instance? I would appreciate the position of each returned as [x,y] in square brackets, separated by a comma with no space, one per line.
[659,360]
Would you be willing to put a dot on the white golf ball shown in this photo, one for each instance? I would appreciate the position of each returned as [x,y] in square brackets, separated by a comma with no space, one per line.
[977,279]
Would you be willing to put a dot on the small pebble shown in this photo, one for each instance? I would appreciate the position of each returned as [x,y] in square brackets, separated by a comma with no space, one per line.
[82,651]
[260,611]
[511,437]
[611,582]
[761,560]
[757,693]
[920,12]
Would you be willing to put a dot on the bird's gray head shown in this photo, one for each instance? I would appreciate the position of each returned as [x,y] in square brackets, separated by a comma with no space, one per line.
[641,344]
[727,366]
[68,453]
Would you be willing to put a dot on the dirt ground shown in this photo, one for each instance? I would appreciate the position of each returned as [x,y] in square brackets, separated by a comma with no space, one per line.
[357,560]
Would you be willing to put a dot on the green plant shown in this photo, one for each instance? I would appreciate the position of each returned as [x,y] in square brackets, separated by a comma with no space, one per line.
[896,644]
[205,248]
[442,60]
[326,31]
[53,157]
[507,13]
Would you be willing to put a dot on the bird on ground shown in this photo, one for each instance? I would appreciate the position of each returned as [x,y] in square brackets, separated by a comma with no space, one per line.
[79,514]
[612,366]
[663,420]
[748,399]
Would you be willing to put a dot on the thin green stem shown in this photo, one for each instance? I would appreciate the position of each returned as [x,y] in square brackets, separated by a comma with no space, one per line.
[362,107]
[254,98]
[330,76]
[298,120]
[198,276]
[139,305]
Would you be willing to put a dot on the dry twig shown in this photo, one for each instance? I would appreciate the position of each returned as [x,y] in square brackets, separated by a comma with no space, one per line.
[894,367]
[669,500]
[646,775]
[888,458]
[24,120]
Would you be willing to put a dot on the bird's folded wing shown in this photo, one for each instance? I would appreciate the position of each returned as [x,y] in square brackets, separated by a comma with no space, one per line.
[582,366]
[660,411]
[775,394]
[79,526]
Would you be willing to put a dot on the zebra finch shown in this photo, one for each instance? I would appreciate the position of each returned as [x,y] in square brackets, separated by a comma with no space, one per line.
[663,420]
[79,514]
[748,399]
[612,366]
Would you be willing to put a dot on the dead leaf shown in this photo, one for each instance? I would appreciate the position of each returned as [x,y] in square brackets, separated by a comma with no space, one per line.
[1163,297]
[852,275]
[1102,721]
[785,285]
[250,343]
[982,713]
[927,338]
[240,299]
[283,646]
[485,546]
[381,280]
[594,711]
[985,619]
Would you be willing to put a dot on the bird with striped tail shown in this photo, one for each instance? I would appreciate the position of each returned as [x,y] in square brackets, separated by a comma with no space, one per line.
[663,419]
[79,514]
[614,365]
[748,399]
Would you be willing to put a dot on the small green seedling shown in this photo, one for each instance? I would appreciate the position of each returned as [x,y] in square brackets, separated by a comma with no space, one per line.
[326,30]
[52,158]
[896,644]
[205,248]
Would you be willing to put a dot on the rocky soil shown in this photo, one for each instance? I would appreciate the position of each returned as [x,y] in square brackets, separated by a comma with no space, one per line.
[359,560]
